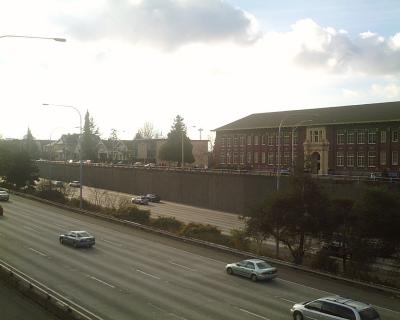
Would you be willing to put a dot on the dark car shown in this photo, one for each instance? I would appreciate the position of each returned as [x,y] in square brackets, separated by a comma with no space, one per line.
[153,197]
[78,239]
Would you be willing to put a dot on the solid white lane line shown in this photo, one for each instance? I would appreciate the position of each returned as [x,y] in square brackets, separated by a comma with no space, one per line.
[181,266]
[253,314]
[148,274]
[101,281]
[113,243]
[38,252]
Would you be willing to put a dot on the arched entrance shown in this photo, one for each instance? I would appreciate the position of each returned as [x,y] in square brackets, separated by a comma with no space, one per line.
[315,162]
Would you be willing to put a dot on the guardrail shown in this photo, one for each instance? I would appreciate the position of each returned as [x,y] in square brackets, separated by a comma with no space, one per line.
[57,304]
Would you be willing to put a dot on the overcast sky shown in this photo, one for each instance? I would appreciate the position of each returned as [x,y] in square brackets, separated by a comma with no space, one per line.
[134,61]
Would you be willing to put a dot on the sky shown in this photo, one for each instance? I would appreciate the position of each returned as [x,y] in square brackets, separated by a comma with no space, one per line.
[131,62]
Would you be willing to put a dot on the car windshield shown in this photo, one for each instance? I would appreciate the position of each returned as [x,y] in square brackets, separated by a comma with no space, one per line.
[369,314]
[83,234]
[263,265]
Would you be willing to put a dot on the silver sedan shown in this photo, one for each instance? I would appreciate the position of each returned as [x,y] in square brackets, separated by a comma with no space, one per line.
[254,269]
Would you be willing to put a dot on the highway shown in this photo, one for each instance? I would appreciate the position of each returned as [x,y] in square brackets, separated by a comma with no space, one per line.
[132,274]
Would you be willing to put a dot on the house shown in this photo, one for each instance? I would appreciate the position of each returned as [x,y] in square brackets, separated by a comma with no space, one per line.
[351,140]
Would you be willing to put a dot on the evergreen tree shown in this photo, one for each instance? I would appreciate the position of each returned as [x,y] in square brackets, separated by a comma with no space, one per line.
[90,139]
[30,146]
[171,150]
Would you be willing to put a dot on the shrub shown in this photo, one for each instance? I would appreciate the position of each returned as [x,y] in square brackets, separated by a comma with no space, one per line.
[167,223]
[87,205]
[133,213]
[240,239]
[323,261]
[205,232]
[52,195]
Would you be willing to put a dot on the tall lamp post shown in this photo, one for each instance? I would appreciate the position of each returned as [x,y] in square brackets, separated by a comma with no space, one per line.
[80,146]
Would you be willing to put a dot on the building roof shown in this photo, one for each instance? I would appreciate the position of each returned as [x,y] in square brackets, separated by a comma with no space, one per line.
[365,113]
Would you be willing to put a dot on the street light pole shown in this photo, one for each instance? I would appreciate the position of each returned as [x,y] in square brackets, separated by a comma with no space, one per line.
[183,157]
[33,37]
[80,146]
[278,172]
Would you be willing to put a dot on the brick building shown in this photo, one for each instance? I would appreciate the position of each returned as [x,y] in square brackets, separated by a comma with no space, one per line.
[353,140]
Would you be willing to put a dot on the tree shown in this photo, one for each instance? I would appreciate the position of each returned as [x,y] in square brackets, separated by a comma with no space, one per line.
[90,139]
[113,138]
[16,166]
[30,146]
[171,150]
[292,215]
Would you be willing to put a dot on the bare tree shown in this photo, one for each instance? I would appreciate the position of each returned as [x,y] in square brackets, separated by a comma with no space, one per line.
[147,131]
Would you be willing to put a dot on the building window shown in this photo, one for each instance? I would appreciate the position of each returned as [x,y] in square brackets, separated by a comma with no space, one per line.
[270,158]
[228,142]
[248,157]
[350,138]
[350,159]
[263,139]
[270,140]
[286,139]
[340,159]
[295,138]
[256,140]
[382,158]
[371,137]
[360,159]
[383,136]
[395,158]
[255,157]
[235,157]
[263,157]
[222,142]
[242,158]
[241,141]
[360,137]
[286,158]
[316,136]
[249,140]
[395,136]
[228,158]
[371,158]
[222,160]
[340,138]
[235,141]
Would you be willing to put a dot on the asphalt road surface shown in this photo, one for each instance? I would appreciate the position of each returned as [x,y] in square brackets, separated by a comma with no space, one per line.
[131,274]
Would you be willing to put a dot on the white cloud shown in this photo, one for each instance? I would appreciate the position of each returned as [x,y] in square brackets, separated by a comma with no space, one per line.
[390,91]
[165,23]
[331,50]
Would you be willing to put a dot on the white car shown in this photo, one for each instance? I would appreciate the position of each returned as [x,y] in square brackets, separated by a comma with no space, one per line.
[4,196]
[254,269]
[75,184]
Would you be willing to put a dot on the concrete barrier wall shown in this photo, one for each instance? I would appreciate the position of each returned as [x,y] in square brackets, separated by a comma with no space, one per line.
[229,192]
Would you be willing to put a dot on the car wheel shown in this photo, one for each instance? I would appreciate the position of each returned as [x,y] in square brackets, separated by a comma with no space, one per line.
[229,271]
[253,278]
[297,316]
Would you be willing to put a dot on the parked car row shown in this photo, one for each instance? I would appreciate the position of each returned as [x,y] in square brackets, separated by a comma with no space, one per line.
[145,199]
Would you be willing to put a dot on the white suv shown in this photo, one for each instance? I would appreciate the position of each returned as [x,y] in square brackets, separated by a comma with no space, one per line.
[334,308]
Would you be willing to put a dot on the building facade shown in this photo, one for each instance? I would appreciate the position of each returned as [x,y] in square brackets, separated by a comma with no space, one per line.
[351,140]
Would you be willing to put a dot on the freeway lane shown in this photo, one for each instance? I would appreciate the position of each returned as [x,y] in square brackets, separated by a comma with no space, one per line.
[131,274]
